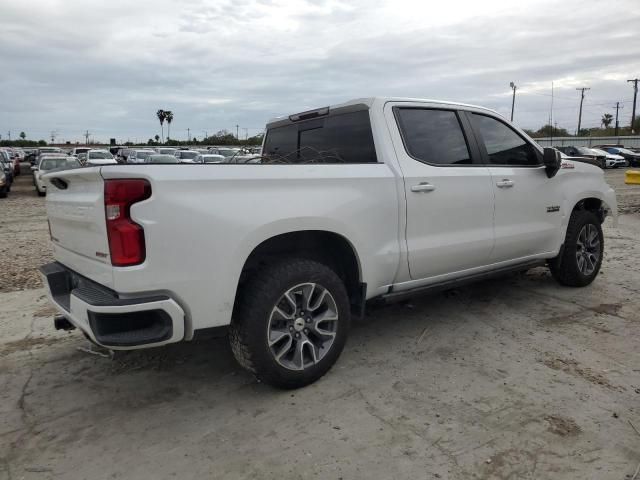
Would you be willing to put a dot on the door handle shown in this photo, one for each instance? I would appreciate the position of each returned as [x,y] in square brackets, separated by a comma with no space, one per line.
[505,183]
[423,187]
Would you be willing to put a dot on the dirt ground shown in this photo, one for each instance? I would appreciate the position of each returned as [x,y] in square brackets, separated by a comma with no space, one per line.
[516,378]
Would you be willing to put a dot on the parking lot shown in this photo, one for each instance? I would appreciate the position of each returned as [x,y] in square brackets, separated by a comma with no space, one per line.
[510,378]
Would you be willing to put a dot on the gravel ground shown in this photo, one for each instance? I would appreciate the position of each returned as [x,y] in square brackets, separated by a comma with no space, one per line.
[23,229]
[516,378]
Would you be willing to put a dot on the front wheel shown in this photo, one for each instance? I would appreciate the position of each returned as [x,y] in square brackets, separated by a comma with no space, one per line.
[580,261]
[290,323]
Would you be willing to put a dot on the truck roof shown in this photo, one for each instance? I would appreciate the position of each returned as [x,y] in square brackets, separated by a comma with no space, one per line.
[360,104]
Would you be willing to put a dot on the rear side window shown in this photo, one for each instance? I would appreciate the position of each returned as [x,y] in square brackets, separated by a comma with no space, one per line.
[433,136]
[504,146]
[340,138]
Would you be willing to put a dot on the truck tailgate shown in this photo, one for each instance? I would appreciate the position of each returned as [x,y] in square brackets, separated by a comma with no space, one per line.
[75,207]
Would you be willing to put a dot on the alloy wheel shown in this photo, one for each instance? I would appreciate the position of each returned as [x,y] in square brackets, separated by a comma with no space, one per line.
[588,249]
[302,326]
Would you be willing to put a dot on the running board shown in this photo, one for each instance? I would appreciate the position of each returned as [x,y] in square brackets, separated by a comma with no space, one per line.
[449,284]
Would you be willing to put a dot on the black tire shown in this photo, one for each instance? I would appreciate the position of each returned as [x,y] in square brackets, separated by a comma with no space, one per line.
[3,192]
[40,194]
[249,330]
[565,267]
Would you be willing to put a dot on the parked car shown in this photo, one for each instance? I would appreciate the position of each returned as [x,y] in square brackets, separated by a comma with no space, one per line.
[43,150]
[224,151]
[139,155]
[4,185]
[632,157]
[612,160]
[13,160]
[48,164]
[186,156]
[7,168]
[586,153]
[99,157]
[374,198]
[77,150]
[162,158]
[209,158]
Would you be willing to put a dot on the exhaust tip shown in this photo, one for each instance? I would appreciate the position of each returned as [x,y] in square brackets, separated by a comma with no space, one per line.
[60,322]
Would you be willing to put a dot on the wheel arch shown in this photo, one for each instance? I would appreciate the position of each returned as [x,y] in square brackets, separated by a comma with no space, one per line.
[327,247]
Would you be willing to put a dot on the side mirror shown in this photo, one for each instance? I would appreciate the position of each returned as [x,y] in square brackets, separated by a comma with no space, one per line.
[552,161]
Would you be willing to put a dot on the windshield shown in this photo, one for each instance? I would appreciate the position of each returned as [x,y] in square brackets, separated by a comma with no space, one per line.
[143,154]
[189,155]
[625,151]
[53,163]
[167,150]
[100,155]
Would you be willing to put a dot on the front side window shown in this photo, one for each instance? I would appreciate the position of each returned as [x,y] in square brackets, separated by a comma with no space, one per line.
[338,138]
[433,136]
[504,146]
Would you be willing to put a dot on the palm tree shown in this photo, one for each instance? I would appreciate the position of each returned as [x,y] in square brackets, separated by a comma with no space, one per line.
[23,135]
[169,116]
[161,114]
[157,137]
[607,118]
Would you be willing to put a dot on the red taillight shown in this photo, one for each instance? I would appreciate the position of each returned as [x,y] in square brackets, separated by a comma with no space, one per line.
[126,238]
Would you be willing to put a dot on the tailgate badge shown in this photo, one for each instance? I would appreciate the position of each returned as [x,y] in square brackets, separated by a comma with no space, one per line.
[101,255]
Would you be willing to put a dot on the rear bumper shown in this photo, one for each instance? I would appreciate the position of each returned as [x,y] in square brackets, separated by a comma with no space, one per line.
[107,318]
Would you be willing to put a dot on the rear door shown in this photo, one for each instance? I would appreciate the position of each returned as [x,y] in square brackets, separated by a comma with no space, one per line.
[527,203]
[448,190]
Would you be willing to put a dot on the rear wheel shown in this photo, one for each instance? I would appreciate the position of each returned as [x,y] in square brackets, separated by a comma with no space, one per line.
[580,261]
[3,192]
[290,322]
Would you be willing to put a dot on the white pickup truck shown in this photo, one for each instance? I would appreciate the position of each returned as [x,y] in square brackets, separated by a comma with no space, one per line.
[373,198]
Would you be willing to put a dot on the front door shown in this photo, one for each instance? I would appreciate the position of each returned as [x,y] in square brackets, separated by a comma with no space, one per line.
[527,203]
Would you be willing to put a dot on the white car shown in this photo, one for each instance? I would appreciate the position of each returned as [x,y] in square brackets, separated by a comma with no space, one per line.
[49,163]
[186,156]
[209,158]
[612,160]
[98,157]
[374,198]
[140,155]
[78,150]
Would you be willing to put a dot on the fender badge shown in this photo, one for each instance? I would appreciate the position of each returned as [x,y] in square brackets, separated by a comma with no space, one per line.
[567,165]
[553,208]
[101,255]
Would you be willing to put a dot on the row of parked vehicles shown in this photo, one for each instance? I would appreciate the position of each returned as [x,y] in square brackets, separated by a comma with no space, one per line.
[46,159]
[603,156]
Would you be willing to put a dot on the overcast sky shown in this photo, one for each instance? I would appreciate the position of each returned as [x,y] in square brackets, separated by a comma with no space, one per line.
[107,66]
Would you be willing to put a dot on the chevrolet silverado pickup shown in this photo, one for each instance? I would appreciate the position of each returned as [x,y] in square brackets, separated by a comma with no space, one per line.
[374,198]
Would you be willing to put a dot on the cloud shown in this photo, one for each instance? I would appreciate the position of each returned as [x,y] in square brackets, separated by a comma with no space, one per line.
[74,65]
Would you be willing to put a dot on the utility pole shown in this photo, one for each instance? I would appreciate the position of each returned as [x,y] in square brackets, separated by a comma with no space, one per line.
[582,90]
[53,136]
[188,134]
[635,95]
[513,101]
[237,132]
[9,133]
[86,137]
[617,108]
